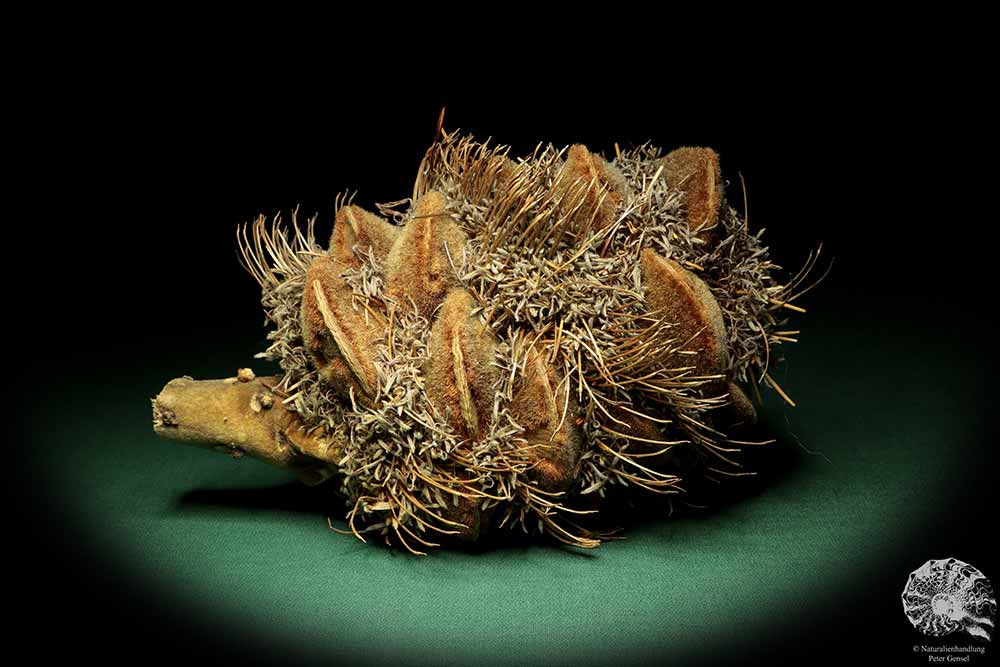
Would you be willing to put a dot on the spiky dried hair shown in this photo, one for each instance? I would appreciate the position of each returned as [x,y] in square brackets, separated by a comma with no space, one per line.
[518,335]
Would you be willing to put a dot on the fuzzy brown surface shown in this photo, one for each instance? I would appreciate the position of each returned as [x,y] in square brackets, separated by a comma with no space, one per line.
[356,233]
[419,267]
[683,299]
[695,171]
[459,371]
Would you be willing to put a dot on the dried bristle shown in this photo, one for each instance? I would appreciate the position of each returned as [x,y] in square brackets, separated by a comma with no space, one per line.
[695,171]
[657,446]
[356,232]
[419,266]
[684,299]
[460,370]
[339,340]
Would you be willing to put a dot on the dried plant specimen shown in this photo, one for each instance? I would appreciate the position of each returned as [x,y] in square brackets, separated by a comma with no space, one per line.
[508,344]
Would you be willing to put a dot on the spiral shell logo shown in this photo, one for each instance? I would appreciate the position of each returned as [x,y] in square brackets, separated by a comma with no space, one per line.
[946,596]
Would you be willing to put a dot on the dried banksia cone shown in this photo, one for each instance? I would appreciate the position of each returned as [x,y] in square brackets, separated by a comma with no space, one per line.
[508,344]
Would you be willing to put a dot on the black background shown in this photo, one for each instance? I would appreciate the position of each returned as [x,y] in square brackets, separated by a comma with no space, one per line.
[143,169]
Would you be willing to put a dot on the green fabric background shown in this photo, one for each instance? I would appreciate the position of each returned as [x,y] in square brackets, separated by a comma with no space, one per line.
[233,544]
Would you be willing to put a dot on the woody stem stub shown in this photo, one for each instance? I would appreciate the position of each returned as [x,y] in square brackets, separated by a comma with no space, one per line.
[240,416]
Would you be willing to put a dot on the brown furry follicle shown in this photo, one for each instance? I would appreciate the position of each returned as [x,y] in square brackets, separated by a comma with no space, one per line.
[547,412]
[418,267]
[583,166]
[336,335]
[695,171]
[356,232]
[682,298]
[460,376]
[741,410]
[460,369]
